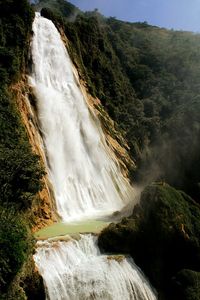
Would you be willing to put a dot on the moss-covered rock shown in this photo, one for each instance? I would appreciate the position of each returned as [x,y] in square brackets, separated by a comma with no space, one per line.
[32,283]
[187,285]
[27,284]
[162,235]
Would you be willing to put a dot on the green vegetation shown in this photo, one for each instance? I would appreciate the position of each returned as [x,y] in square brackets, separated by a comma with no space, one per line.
[15,241]
[58,229]
[148,80]
[20,169]
[187,285]
[15,25]
[162,236]
[60,8]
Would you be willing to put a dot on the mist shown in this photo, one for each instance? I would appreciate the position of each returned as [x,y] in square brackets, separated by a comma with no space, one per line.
[174,157]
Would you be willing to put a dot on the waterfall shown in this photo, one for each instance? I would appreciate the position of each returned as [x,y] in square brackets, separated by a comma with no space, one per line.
[75,270]
[87,182]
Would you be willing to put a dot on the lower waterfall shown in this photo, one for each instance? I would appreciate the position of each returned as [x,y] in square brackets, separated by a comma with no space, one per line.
[76,270]
[87,182]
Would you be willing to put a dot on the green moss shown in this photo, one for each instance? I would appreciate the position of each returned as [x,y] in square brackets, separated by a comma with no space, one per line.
[187,285]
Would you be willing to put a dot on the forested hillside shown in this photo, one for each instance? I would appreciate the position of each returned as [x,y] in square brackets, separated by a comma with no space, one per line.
[20,170]
[148,80]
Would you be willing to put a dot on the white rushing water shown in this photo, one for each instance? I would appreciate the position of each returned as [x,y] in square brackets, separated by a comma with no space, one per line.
[76,270]
[86,181]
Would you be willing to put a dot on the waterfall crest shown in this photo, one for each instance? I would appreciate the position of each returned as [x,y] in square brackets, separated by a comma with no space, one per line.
[86,181]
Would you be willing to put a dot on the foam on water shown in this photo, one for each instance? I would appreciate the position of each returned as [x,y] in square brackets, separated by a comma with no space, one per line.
[76,270]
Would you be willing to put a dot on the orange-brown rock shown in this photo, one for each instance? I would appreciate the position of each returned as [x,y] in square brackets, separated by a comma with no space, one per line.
[43,208]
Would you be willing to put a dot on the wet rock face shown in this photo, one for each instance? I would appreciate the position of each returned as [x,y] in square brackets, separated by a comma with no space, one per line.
[162,235]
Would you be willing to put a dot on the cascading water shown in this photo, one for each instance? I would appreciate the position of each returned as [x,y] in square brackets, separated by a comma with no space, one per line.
[86,181]
[76,270]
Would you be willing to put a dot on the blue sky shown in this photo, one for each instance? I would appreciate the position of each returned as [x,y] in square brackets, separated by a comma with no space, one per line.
[176,14]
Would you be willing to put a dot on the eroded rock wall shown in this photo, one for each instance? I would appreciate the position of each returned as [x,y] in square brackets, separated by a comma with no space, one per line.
[43,210]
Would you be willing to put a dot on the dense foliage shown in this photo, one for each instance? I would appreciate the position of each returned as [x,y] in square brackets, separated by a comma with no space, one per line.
[186,285]
[15,244]
[20,170]
[60,8]
[162,236]
[148,80]
[15,24]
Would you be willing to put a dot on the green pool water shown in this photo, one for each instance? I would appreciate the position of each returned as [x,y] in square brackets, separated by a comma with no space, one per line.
[60,229]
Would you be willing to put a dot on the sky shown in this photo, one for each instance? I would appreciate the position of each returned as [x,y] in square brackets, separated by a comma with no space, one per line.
[176,14]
